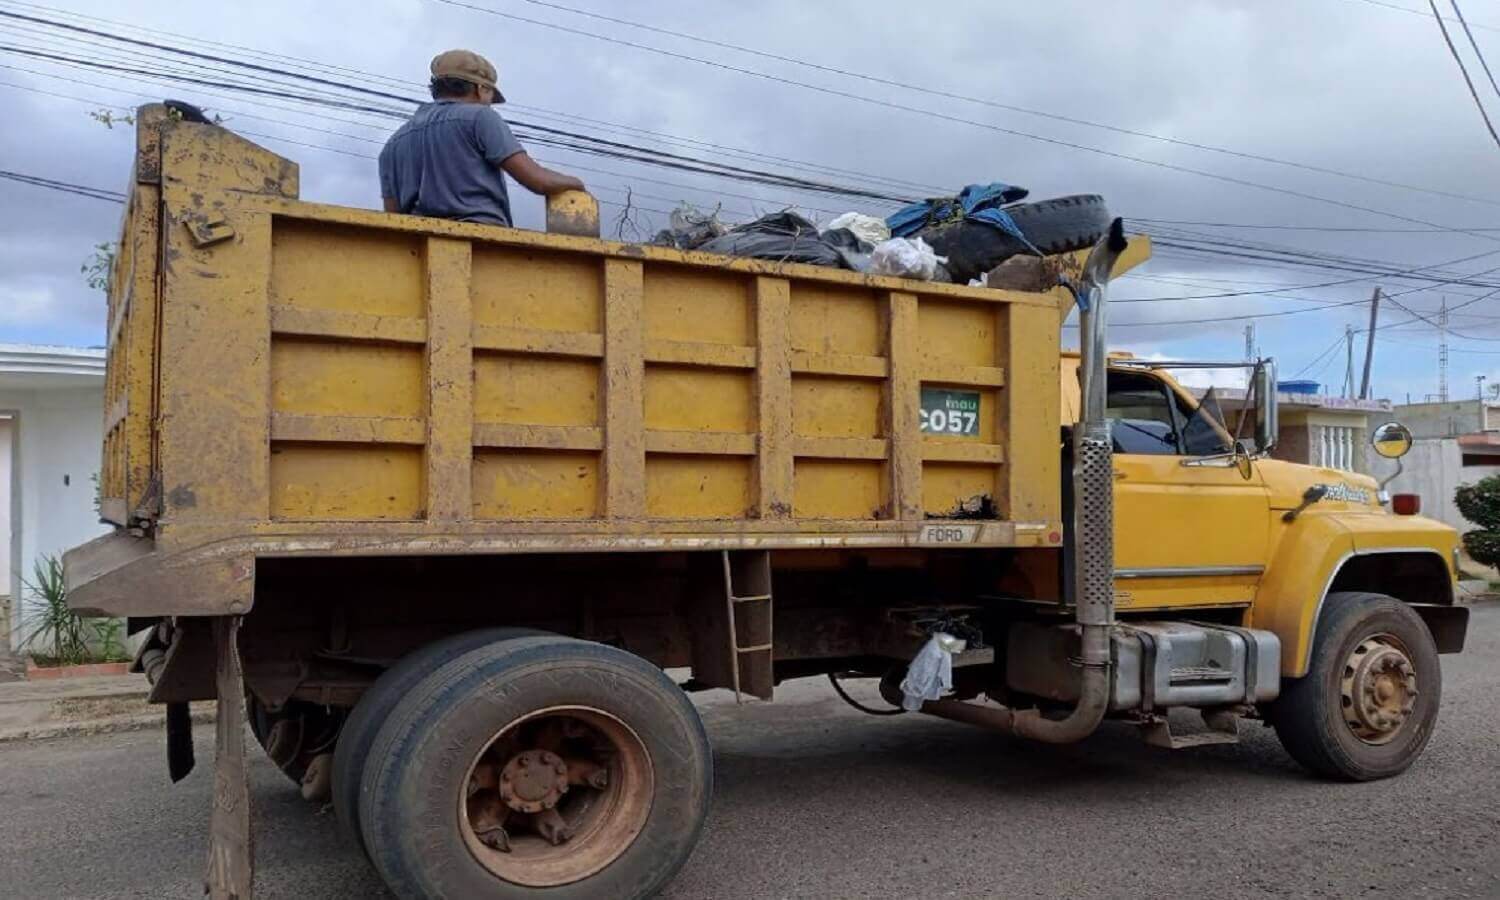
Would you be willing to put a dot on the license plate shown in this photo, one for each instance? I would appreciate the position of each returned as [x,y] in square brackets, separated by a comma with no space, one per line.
[950,412]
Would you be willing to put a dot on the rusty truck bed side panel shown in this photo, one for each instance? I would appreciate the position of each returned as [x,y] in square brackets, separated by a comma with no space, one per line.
[336,381]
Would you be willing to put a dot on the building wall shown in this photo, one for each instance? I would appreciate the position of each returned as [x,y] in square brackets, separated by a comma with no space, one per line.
[1433,470]
[1439,420]
[57,438]
[1302,432]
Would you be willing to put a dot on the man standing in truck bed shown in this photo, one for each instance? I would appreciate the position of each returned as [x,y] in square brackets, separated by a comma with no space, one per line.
[450,158]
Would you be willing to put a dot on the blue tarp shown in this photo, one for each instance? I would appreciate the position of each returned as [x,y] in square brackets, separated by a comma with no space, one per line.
[975,203]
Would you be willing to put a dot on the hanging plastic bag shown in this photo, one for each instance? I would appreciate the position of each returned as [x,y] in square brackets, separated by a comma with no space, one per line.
[906,258]
[690,228]
[867,228]
[930,674]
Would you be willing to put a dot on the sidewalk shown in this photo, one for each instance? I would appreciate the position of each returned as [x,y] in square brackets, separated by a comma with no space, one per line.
[33,710]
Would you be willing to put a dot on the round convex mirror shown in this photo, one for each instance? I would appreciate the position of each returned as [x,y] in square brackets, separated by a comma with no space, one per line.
[1392,440]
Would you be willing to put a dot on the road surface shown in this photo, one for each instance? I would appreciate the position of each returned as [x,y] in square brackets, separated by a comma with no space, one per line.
[816,800]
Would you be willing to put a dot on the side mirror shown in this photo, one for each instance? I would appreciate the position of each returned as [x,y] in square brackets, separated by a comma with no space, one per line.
[1392,440]
[1266,420]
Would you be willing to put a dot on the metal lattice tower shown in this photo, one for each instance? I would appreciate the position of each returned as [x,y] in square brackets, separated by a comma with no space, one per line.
[1443,352]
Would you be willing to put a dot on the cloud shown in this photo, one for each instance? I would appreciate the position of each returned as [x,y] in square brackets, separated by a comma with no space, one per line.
[1336,84]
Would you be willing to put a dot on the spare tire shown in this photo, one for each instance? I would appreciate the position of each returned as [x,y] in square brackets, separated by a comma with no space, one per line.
[1059,225]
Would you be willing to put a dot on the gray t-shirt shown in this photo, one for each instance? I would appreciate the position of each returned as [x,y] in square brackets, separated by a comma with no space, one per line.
[443,162]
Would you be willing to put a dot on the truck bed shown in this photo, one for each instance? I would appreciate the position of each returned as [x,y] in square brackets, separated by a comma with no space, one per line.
[287,378]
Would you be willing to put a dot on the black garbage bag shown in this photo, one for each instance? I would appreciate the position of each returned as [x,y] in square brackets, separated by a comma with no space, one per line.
[784,237]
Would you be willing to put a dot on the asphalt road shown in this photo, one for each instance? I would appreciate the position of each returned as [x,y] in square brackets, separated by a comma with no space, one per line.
[816,800]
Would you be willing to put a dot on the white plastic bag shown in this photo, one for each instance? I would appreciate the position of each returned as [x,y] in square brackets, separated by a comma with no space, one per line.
[930,673]
[905,258]
[867,228]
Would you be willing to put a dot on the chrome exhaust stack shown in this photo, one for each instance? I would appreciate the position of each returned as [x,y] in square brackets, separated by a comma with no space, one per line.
[1093,526]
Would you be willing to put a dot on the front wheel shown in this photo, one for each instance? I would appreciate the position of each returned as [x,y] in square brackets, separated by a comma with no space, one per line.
[1366,708]
[537,766]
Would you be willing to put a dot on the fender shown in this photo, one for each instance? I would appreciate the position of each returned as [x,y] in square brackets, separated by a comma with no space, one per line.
[1311,553]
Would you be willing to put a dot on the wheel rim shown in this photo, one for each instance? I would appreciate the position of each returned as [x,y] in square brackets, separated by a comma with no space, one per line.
[556,796]
[1379,689]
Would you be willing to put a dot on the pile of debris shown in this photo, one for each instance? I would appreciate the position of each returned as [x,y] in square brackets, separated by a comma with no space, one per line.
[949,239]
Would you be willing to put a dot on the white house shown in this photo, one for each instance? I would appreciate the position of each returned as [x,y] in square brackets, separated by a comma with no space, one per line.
[51,423]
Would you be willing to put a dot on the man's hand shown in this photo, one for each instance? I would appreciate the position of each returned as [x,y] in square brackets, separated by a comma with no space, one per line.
[537,178]
[391,204]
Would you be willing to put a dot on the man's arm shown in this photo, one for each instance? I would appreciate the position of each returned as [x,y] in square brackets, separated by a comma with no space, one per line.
[536,177]
[391,204]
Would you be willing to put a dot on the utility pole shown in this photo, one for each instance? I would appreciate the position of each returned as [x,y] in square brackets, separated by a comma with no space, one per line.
[1250,342]
[1443,352]
[1479,387]
[1349,361]
[1364,384]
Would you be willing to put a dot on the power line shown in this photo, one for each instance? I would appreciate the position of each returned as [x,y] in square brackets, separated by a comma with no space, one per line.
[66,187]
[1227,179]
[982,101]
[1479,54]
[116,26]
[1327,228]
[782,179]
[1415,12]
[1463,70]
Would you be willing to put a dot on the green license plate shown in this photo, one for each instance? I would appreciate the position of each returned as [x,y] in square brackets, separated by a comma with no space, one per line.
[950,412]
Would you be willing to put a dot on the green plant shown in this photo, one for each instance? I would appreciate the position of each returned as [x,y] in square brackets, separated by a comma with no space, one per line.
[97,268]
[1480,504]
[59,634]
[108,118]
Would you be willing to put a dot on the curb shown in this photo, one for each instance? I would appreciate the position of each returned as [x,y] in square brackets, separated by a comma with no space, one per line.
[112,725]
[85,670]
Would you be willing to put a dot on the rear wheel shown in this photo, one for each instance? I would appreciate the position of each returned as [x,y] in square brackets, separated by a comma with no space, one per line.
[539,766]
[1367,706]
[364,721]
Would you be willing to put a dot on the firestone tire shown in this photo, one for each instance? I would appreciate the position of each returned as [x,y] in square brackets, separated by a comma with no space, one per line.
[1059,225]
[1310,715]
[418,775]
[364,721]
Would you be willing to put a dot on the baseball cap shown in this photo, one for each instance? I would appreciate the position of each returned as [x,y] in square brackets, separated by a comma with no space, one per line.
[466,65]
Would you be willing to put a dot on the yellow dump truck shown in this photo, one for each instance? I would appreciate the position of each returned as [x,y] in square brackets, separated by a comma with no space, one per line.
[435,506]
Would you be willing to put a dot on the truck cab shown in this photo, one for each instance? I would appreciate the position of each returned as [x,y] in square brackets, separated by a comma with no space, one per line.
[1208,522]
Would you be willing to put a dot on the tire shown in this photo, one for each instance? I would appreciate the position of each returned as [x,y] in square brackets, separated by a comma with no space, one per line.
[1060,225]
[364,721]
[315,727]
[1310,715]
[416,802]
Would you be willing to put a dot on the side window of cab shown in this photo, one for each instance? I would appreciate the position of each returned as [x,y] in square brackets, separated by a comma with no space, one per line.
[1143,419]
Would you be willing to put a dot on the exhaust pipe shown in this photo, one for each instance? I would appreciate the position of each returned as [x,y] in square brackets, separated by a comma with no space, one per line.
[1093,527]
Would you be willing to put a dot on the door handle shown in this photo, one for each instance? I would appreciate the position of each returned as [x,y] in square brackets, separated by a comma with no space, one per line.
[1119,475]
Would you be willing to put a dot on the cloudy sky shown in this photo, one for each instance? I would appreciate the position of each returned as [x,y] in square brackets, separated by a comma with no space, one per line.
[1340,87]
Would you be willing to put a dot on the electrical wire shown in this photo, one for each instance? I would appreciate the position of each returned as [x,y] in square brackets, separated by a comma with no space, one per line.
[1327,228]
[1463,70]
[839,689]
[66,187]
[116,26]
[1415,12]
[993,104]
[934,114]
[1478,53]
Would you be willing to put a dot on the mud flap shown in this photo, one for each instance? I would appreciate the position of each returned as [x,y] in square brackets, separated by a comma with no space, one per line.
[229,851]
[180,758]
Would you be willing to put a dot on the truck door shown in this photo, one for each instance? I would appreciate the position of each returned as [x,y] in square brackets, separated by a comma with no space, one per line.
[1190,529]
